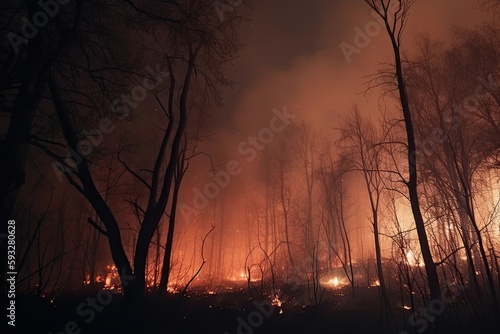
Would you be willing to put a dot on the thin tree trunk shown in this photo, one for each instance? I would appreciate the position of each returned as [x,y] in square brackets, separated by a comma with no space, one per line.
[394,32]
[285,216]
[412,184]
[165,272]
[131,285]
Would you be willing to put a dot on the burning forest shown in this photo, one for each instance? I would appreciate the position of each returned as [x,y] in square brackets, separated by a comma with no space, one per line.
[235,166]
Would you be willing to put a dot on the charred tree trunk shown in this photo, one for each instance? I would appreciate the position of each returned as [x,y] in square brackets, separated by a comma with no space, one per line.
[395,30]
[286,220]
[412,183]
[165,272]
[155,209]
[130,284]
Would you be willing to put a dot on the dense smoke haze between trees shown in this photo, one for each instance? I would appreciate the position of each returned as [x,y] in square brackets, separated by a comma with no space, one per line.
[250,166]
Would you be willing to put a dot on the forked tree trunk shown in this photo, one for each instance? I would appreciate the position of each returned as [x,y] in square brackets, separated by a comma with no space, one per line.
[165,271]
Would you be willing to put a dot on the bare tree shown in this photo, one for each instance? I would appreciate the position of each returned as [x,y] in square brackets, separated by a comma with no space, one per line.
[460,151]
[332,175]
[363,152]
[394,20]
[192,43]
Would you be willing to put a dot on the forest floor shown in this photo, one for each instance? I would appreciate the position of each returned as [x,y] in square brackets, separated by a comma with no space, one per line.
[226,313]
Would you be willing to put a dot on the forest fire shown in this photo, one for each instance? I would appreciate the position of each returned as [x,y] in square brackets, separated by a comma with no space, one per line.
[242,276]
[335,282]
[108,279]
[207,167]
[412,260]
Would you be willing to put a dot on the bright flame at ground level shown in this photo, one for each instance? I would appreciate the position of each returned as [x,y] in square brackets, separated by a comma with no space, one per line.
[334,281]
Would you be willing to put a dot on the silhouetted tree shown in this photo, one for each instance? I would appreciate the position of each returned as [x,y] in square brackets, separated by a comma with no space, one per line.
[394,15]
[195,46]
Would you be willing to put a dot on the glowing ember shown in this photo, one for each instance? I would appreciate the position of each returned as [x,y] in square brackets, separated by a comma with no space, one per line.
[276,301]
[109,279]
[172,289]
[87,279]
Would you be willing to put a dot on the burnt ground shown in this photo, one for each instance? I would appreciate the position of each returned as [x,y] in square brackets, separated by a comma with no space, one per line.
[228,313]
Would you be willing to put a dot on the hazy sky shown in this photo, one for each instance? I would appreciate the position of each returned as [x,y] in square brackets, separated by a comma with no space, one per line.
[292,56]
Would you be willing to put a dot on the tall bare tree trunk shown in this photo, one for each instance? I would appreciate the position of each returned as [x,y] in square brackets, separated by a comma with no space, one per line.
[285,214]
[412,183]
[395,30]
[165,272]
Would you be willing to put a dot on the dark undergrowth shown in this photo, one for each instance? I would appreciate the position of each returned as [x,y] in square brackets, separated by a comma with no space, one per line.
[230,313]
